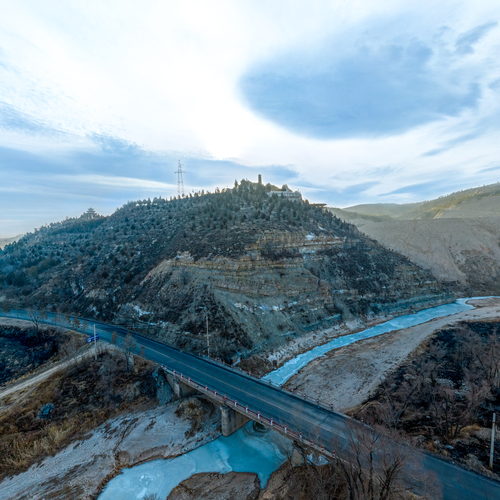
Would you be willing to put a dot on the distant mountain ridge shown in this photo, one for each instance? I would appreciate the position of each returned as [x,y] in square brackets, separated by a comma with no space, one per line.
[261,267]
[483,201]
[456,237]
[6,241]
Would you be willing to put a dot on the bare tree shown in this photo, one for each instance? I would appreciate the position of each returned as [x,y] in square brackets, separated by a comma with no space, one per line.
[75,323]
[35,318]
[70,346]
[129,346]
[371,465]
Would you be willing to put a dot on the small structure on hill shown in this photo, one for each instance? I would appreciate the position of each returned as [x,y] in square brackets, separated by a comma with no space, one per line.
[90,214]
[287,193]
[323,206]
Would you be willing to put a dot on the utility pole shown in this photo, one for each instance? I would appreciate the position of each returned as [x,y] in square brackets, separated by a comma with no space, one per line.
[95,345]
[492,443]
[208,336]
[180,179]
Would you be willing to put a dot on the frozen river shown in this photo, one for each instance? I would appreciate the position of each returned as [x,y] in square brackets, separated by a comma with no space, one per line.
[247,450]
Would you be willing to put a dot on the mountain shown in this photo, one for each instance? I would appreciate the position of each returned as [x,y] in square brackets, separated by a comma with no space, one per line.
[258,263]
[5,241]
[472,203]
[456,237]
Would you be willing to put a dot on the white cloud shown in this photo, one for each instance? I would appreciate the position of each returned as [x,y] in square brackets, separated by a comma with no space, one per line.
[117,182]
[165,75]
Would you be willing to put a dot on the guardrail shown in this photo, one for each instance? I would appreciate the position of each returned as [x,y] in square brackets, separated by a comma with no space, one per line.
[257,416]
[316,402]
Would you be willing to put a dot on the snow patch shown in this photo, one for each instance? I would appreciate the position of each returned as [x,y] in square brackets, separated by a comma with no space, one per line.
[140,311]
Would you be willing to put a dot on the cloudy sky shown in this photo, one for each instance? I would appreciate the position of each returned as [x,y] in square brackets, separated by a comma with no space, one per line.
[351,101]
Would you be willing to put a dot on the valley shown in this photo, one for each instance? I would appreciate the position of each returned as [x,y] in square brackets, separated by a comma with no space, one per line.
[488,308]
[281,289]
[249,250]
[260,269]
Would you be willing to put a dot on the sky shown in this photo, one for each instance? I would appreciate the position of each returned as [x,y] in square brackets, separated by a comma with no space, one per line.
[350,101]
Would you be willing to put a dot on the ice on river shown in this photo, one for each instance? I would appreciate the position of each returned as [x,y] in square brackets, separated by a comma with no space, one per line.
[290,368]
[244,451]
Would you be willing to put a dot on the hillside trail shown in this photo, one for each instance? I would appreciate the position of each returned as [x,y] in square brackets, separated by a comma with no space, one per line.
[40,377]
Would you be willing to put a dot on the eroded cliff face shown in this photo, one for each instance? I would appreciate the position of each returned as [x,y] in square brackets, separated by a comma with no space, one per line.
[285,284]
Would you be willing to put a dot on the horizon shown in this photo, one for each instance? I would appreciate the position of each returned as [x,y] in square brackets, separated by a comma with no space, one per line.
[173,197]
[348,102]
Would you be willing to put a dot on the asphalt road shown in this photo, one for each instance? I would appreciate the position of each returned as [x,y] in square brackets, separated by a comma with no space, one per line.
[333,431]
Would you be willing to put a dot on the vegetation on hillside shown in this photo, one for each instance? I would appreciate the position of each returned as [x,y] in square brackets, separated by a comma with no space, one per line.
[109,252]
[445,394]
[96,266]
[24,349]
[83,397]
[443,206]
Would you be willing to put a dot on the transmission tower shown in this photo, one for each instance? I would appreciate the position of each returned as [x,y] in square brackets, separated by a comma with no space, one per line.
[180,179]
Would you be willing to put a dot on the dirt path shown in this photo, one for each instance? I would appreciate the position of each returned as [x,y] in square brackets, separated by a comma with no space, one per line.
[40,377]
[346,377]
[44,371]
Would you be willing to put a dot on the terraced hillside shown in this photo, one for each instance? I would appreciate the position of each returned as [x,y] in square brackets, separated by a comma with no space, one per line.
[456,237]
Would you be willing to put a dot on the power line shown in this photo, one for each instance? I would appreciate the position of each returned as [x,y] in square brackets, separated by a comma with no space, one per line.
[180,179]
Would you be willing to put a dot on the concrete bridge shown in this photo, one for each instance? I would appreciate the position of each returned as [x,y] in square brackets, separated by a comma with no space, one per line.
[242,397]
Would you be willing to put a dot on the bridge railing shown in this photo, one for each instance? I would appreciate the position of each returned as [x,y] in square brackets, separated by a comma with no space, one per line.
[53,318]
[314,401]
[255,415]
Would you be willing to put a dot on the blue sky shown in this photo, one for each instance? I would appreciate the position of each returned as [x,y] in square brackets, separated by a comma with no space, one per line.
[349,101]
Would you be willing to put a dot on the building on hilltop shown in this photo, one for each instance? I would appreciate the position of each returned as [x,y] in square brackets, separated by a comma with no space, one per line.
[323,206]
[287,193]
[90,214]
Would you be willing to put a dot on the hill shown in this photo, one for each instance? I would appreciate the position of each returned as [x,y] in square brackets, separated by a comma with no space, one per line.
[483,201]
[456,237]
[260,267]
[5,241]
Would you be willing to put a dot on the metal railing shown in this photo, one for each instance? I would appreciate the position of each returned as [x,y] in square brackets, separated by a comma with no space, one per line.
[252,414]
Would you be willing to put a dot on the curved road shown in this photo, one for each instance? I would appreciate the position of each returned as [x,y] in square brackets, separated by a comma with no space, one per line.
[334,432]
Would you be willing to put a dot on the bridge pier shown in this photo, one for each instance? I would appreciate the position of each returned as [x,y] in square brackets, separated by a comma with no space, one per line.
[297,457]
[231,420]
[180,389]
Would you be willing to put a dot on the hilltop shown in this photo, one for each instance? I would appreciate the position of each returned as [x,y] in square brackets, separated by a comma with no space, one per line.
[456,236]
[261,267]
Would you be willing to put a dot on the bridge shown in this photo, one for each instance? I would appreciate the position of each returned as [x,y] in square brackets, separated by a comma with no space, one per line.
[242,397]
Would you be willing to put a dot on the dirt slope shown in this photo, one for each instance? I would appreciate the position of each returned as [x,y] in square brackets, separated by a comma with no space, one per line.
[456,237]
